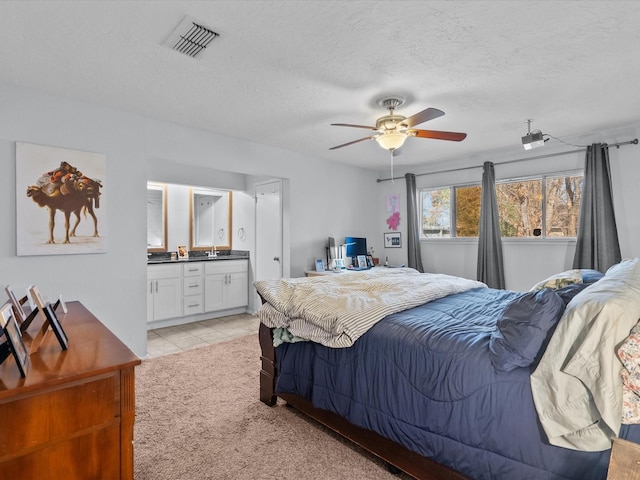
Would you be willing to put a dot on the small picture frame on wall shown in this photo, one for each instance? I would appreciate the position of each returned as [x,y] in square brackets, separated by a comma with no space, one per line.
[319,265]
[392,240]
[14,338]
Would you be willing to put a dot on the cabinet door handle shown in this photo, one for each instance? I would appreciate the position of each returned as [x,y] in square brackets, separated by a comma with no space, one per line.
[194,305]
[193,270]
[156,286]
[194,285]
[151,286]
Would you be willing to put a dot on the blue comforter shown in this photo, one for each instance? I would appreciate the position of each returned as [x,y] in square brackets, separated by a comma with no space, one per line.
[424,378]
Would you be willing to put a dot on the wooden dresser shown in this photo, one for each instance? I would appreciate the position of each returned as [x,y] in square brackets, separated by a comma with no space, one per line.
[72,416]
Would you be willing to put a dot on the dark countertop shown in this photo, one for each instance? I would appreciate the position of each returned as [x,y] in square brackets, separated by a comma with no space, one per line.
[157,258]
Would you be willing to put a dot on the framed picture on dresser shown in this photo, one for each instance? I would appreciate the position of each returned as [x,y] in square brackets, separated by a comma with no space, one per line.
[38,300]
[52,318]
[19,312]
[49,320]
[14,338]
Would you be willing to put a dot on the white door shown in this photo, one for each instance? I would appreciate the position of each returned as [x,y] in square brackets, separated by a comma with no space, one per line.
[269,230]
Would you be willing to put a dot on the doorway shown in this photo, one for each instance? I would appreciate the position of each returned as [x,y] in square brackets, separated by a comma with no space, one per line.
[269,231]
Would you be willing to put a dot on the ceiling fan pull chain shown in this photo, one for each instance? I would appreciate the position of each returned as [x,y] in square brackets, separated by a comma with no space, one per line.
[391,152]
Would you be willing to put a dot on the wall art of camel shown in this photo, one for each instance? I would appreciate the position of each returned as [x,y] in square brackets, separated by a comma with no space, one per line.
[68,190]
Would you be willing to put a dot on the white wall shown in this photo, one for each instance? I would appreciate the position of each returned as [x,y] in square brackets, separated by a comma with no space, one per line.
[324,199]
[526,261]
[112,285]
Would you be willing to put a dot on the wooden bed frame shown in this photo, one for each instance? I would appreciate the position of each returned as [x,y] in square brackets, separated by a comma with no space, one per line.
[394,454]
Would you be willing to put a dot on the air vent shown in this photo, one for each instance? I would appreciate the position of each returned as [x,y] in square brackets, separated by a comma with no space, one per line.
[190,37]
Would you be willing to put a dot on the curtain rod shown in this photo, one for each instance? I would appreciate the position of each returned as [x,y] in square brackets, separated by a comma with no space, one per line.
[617,145]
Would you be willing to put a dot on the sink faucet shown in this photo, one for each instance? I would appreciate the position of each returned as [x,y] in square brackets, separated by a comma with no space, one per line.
[213,253]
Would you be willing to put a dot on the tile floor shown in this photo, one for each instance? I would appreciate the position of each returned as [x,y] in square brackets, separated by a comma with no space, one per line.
[167,340]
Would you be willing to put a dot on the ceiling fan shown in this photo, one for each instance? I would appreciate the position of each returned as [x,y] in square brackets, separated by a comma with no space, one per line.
[392,130]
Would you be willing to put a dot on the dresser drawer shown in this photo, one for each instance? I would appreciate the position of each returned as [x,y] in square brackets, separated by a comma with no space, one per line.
[164,270]
[226,266]
[40,421]
[192,286]
[192,269]
[193,304]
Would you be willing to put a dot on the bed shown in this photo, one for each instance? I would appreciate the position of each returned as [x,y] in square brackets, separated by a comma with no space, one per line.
[439,385]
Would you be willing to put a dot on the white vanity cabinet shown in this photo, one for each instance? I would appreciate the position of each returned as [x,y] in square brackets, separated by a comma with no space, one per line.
[164,291]
[226,285]
[182,292]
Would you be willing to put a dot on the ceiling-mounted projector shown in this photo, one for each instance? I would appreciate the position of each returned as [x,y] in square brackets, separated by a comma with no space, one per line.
[532,139]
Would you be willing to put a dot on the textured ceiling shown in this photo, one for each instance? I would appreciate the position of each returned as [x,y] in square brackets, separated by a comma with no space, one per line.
[282,71]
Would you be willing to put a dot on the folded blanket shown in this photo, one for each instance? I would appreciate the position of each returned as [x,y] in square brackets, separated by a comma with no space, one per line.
[335,310]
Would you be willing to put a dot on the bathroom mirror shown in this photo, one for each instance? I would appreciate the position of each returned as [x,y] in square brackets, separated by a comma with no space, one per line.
[156,217]
[210,219]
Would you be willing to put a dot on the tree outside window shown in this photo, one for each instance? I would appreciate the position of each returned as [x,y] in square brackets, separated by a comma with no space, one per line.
[468,211]
[523,204]
[519,207]
[436,212]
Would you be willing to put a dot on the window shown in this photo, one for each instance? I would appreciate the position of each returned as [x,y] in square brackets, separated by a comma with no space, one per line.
[436,212]
[520,207]
[467,210]
[546,206]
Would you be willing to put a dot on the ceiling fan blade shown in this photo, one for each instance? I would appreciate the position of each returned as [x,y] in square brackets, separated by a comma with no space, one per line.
[423,116]
[355,141]
[452,136]
[351,125]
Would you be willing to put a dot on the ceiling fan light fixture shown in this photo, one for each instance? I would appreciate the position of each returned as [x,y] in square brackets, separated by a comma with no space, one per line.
[391,140]
[392,130]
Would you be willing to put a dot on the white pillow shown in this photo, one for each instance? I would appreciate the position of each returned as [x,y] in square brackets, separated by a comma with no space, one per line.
[620,284]
[579,371]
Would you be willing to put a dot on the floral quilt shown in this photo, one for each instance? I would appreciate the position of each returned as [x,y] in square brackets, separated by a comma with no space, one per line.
[629,355]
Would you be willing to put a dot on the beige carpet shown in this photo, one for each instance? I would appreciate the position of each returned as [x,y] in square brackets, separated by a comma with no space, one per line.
[198,417]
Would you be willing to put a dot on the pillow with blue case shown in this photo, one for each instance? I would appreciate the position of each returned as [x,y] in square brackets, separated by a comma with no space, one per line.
[523,329]
[589,277]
